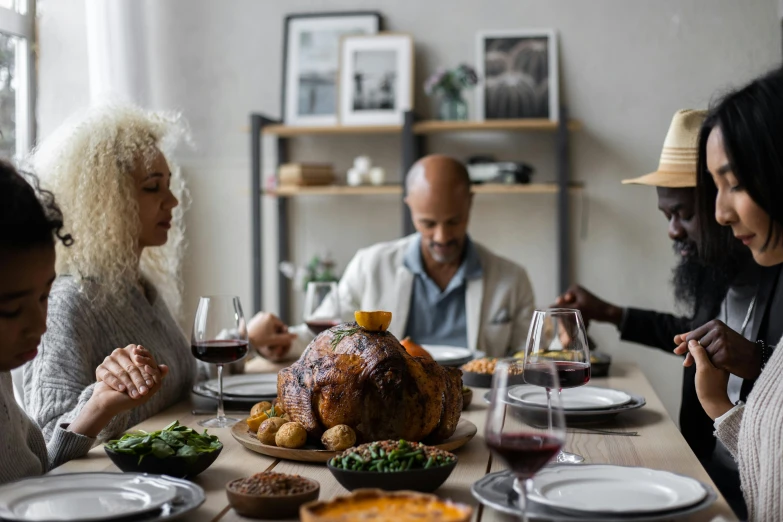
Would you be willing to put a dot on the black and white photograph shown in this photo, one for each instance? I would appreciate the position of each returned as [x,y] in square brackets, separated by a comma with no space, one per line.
[312,57]
[376,74]
[518,75]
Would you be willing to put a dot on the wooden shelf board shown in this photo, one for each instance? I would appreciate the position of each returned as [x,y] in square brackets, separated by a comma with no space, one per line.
[289,130]
[368,190]
[439,126]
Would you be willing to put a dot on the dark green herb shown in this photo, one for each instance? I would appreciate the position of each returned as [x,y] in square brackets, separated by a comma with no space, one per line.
[174,439]
[345,331]
[391,456]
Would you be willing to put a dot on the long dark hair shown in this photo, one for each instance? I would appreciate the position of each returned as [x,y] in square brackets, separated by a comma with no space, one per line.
[751,121]
[29,215]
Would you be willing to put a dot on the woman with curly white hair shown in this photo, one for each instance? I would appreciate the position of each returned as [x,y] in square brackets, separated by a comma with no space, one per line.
[119,283]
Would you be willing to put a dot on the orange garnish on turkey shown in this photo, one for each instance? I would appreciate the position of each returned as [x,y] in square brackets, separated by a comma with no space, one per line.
[373,321]
[413,349]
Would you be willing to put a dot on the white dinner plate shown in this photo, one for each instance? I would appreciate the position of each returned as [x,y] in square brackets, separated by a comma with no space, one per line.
[614,489]
[83,497]
[573,399]
[249,385]
[451,355]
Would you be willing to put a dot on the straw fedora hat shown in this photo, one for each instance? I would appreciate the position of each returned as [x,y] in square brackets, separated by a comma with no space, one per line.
[677,167]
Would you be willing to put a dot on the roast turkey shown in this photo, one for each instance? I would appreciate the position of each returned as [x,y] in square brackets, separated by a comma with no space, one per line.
[366,380]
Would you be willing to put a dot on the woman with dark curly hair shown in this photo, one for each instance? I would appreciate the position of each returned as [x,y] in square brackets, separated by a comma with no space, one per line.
[29,229]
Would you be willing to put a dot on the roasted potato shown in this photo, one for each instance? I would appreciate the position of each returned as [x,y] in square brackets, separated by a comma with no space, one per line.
[259,407]
[291,435]
[338,438]
[268,430]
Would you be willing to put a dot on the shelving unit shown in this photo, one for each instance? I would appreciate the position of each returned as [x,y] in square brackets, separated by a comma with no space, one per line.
[413,134]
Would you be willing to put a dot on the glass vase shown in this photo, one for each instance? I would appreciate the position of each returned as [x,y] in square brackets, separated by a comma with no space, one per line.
[453,107]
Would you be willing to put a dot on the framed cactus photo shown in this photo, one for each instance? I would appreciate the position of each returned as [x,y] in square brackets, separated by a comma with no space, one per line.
[518,75]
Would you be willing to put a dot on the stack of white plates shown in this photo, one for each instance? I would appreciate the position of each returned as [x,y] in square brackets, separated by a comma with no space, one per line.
[581,404]
[599,492]
[451,355]
[249,388]
[93,497]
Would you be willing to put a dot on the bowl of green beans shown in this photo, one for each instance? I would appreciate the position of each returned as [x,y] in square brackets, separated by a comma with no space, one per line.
[393,465]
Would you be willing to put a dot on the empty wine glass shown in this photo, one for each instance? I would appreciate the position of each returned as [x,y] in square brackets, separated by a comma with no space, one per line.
[219,337]
[518,434]
[558,336]
[322,306]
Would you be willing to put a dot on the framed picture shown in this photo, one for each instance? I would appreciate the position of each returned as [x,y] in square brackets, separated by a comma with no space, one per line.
[311,57]
[517,73]
[376,79]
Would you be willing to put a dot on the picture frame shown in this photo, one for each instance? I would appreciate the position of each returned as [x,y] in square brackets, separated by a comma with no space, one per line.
[311,57]
[376,79]
[518,74]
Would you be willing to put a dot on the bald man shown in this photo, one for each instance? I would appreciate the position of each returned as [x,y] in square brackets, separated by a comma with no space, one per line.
[441,287]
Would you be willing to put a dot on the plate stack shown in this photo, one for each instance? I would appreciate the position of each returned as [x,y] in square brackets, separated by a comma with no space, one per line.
[94,497]
[582,404]
[241,390]
[598,492]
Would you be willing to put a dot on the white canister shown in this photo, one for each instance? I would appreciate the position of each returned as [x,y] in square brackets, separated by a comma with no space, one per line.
[377,176]
[354,177]
[362,163]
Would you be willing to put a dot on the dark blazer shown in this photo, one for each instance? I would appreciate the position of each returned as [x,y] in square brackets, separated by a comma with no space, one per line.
[657,330]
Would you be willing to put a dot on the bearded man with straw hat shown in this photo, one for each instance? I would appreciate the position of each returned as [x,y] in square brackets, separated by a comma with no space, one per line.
[732,299]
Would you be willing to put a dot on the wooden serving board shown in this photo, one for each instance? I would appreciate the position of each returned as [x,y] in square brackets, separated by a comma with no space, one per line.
[465,431]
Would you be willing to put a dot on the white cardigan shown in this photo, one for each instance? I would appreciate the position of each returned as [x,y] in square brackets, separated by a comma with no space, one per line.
[499,305]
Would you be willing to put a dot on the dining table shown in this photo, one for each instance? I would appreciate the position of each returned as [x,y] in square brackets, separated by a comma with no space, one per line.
[658,445]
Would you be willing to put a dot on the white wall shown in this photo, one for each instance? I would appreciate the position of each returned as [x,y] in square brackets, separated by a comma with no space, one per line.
[626,66]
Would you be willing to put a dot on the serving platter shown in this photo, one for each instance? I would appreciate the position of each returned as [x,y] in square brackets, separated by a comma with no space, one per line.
[465,431]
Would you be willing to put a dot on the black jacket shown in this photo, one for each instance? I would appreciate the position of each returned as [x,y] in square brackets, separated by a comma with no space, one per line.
[658,330]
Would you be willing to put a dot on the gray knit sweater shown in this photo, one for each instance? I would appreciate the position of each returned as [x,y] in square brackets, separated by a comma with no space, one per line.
[81,333]
[753,433]
[23,452]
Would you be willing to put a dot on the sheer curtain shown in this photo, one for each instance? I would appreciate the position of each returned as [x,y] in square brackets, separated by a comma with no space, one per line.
[117,39]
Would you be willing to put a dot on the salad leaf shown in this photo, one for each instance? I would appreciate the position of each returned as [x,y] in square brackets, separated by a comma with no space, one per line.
[173,440]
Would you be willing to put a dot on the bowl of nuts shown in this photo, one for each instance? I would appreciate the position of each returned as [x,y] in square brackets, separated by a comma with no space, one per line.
[478,373]
[271,495]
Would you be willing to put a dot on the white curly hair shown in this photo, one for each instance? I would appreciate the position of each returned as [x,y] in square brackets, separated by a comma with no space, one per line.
[88,164]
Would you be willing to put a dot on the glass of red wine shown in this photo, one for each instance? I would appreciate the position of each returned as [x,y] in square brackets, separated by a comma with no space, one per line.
[558,336]
[322,306]
[518,434]
[219,337]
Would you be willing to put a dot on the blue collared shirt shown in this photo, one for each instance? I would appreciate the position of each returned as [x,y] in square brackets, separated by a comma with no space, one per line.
[435,316]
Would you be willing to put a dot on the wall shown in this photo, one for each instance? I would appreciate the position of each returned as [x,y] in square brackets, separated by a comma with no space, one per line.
[625,68]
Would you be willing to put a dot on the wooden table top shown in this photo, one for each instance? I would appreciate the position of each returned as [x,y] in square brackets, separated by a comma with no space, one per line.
[659,445]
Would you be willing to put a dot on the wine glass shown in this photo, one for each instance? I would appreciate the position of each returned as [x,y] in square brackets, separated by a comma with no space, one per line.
[219,337]
[322,306]
[558,335]
[517,433]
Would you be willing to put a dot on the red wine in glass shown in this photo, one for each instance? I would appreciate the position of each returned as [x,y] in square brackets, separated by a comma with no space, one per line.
[219,352]
[525,454]
[321,325]
[570,374]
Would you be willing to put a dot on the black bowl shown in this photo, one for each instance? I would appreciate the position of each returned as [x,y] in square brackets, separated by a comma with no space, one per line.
[423,480]
[178,467]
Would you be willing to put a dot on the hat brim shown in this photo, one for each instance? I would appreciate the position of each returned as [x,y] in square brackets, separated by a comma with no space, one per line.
[664,179]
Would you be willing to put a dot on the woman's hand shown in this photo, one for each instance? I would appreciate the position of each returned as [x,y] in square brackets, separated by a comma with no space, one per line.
[106,403]
[130,370]
[726,349]
[269,335]
[711,383]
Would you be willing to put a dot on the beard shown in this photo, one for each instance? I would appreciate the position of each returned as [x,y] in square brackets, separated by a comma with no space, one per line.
[702,286]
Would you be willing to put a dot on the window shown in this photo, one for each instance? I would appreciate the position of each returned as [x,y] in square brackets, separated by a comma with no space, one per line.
[17,93]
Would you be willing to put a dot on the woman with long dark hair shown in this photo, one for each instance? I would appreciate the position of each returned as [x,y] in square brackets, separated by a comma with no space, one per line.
[740,186]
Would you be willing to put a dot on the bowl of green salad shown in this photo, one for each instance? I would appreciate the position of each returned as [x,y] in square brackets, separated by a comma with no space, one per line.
[176,450]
